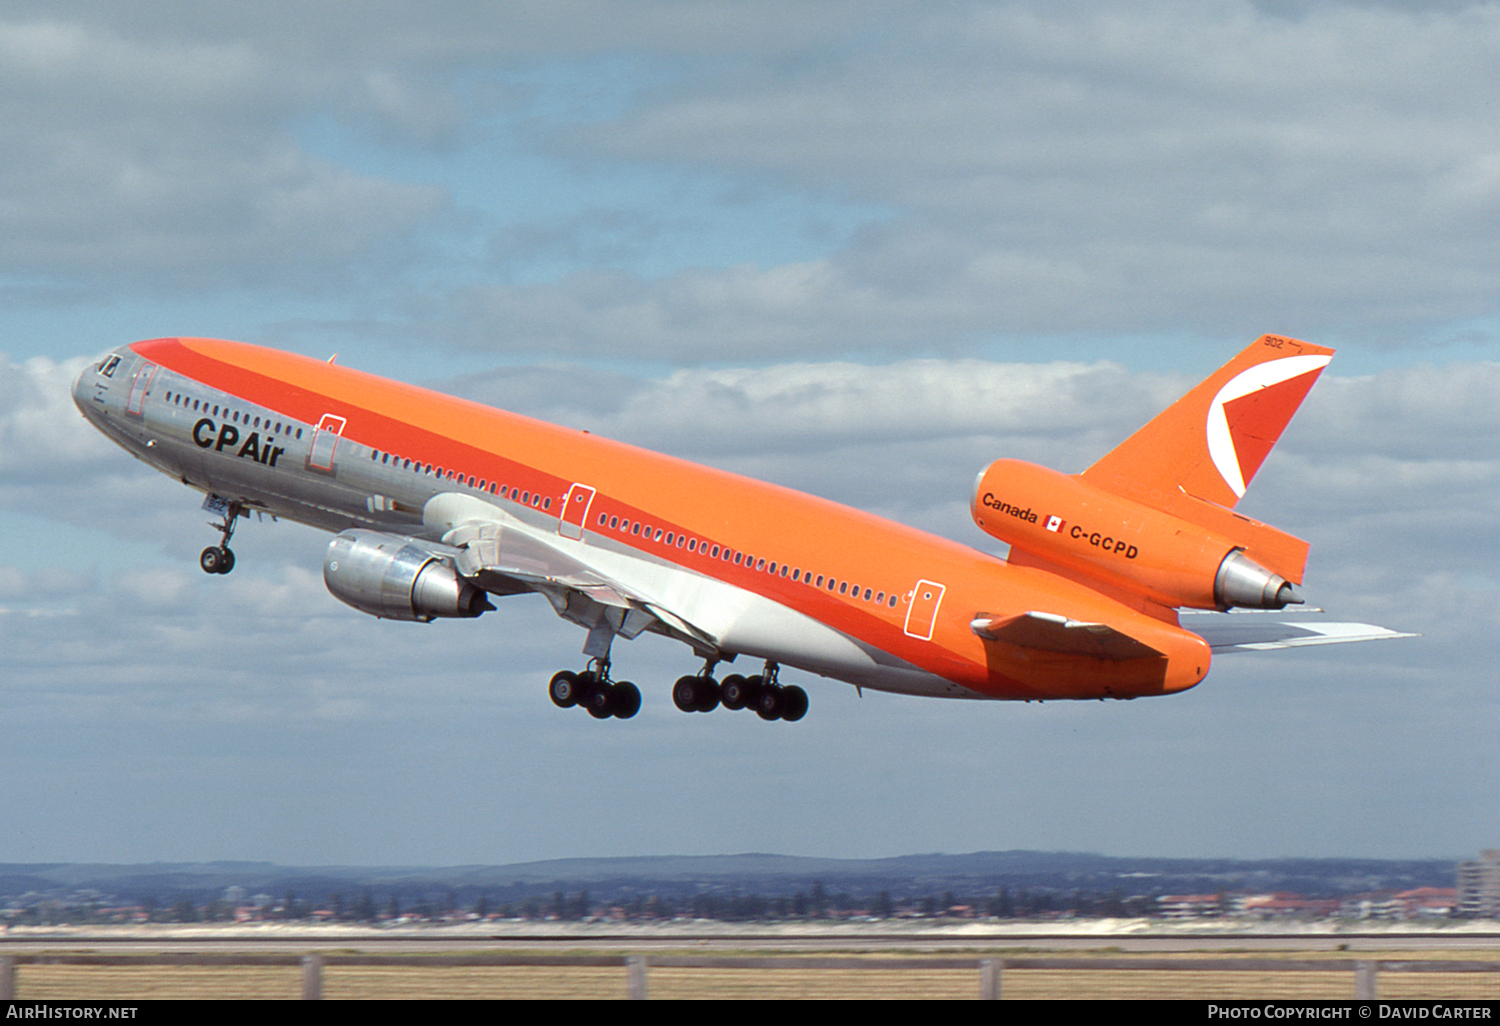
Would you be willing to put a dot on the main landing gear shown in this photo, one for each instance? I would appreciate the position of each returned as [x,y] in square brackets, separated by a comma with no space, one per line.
[593,690]
[761,692]
[219,559]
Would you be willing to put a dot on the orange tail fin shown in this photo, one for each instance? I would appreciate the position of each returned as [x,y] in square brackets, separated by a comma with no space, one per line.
[1210,443]
[1195,459]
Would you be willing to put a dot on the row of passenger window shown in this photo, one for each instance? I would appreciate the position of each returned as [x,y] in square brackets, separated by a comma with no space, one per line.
[715,551]
[516,494]
[256,423]
[636,528]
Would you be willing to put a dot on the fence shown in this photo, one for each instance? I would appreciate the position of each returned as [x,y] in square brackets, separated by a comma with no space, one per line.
[66,975]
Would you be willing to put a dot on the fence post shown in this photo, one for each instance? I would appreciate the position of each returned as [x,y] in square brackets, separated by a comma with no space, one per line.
[1364,981]
[635,977]
[312,977]
[989,979]
[8,978]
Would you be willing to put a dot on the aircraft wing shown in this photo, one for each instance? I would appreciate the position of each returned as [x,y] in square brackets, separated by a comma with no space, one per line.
[1051,632]
[503,555]
[1244,633]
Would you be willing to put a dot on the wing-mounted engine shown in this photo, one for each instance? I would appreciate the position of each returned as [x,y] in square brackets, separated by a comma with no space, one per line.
[1209,558]
[397,578]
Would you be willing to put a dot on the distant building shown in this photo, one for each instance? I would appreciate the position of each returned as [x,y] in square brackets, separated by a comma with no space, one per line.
[1189,906]
[1479,886]
[1427,902]
[1420,903]
[1284,904]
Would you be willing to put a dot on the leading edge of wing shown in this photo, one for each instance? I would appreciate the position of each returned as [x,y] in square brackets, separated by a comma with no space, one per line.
[1252,634]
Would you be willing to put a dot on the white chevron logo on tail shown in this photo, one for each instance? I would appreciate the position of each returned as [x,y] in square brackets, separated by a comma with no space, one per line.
[1221,445]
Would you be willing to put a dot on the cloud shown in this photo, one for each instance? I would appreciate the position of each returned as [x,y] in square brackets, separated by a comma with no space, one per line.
[794,406]
[1413,445]
[40,428]
[169,164]
[1080,169]
[994,169]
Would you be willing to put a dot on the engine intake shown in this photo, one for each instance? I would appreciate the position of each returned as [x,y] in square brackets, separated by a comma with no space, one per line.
[386,575]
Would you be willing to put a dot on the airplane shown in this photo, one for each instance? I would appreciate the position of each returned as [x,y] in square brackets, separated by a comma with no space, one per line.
[438,504]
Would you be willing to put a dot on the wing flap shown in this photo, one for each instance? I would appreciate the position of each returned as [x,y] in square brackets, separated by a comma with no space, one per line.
[529,560]
[496,548]
[1050,632]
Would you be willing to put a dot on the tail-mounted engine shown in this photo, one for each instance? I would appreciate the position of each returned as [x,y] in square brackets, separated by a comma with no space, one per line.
[386,575]
[1200,563]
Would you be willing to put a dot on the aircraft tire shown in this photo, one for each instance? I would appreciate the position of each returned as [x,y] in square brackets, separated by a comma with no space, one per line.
[563,689]
[627,700]
[733,692]
[226,560]
[685,694]
[209,560]
[793,703]
[600,701]
[768,702]
[753,684]
[708,694]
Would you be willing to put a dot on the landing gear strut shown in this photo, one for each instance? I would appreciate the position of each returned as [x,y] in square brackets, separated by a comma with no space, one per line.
[593,690]
[700,693]
[220,559]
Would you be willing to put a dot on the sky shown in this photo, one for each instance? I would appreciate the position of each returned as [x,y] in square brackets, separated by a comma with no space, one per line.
[857,248]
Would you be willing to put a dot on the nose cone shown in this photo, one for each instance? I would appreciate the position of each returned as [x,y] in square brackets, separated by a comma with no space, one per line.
[81,387]
[91,387]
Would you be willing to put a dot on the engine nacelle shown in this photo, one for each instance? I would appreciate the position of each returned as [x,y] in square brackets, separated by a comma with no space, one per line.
[386,575]
[1174,561]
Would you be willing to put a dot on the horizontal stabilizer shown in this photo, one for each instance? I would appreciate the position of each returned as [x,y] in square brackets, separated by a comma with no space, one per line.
[1050,632]
[1253,634]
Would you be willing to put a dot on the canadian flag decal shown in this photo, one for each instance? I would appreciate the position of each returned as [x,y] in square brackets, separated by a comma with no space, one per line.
[1055,524]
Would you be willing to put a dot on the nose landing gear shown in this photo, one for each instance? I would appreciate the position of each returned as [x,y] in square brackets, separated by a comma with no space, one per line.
[219,559]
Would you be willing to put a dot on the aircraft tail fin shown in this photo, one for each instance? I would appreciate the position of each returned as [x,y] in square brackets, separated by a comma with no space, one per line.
[1209,444]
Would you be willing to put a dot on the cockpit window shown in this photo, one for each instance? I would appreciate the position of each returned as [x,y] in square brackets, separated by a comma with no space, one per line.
[107,367]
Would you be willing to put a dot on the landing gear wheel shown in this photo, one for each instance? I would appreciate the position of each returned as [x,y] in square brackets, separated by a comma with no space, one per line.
[753,685]
[793,703]
[218,559]
[685,694]
[600,701]
[563,689]
[734,692]
[708,694]
[768,702]
[627,700]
